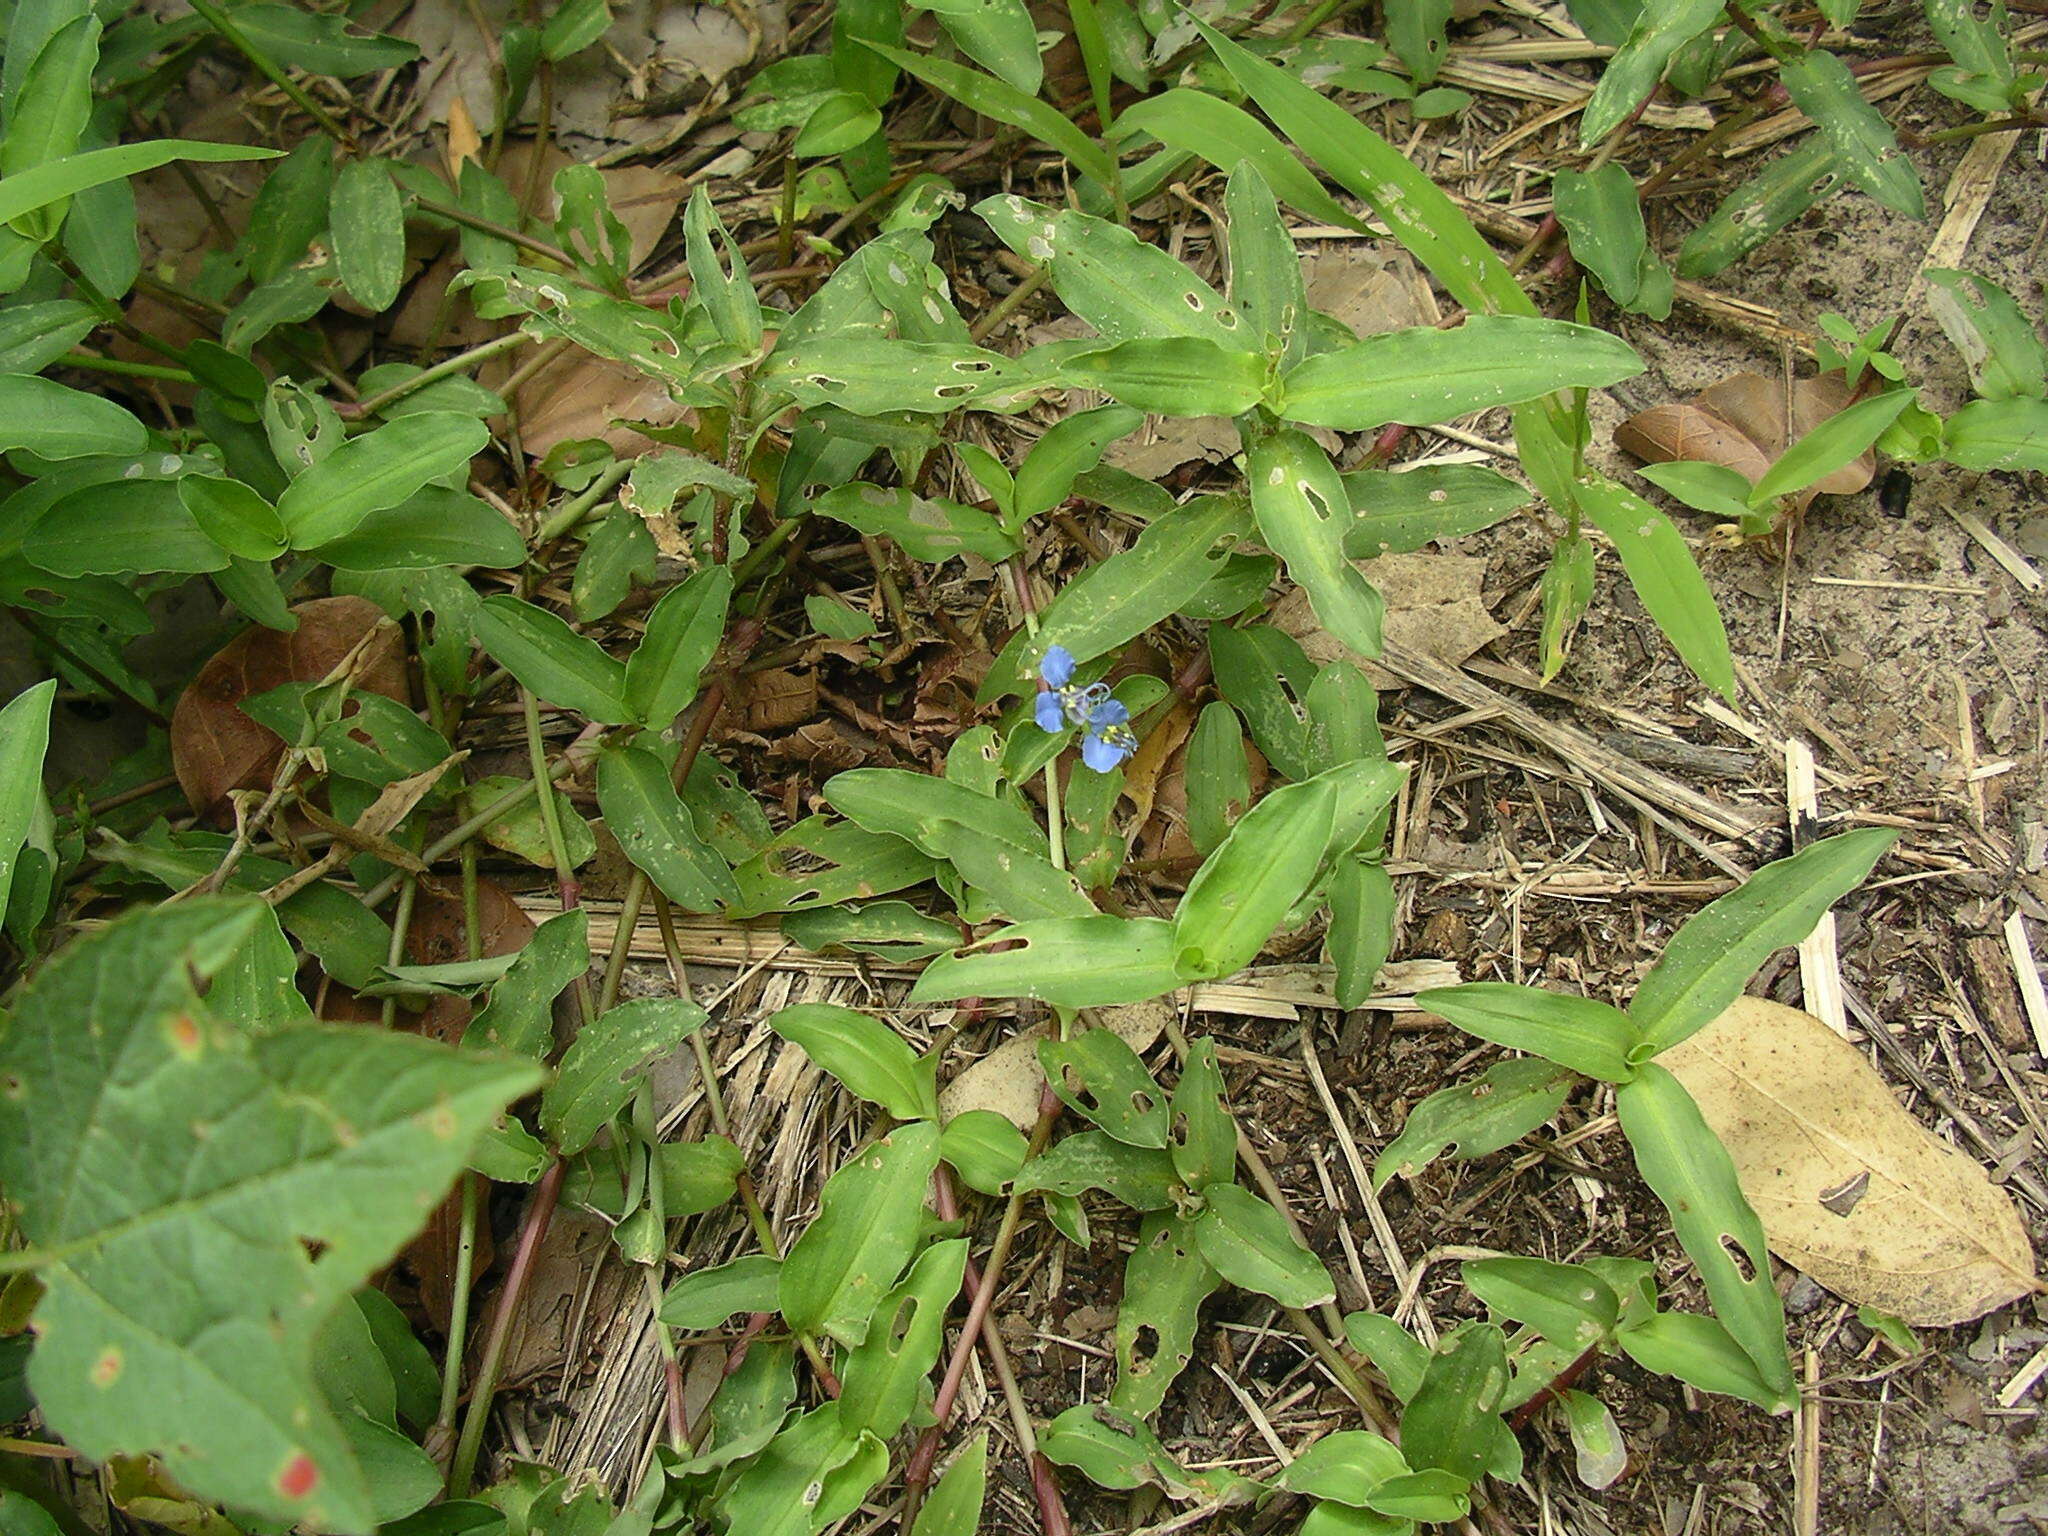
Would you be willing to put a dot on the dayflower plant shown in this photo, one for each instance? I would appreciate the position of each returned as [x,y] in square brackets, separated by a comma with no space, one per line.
[1107,738]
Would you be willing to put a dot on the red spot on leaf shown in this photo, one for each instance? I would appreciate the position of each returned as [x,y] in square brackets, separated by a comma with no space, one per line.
[186,1039]
[107,1369]
[299,1477]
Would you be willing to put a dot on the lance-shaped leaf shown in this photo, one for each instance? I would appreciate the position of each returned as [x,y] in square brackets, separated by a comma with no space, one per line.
[1068,450]
[883,1376]
[1166,1280]
[59,422]
[1866,149]
[548,657]
[1603,218]
[208,1197]
[55,180]
[916,807]
[1303,514]
[819,863]
[519,1016]
[954,1507]
[1070,962]
[1100,1078]
[867,1227]
[1999,434]
[1582,1033]
[1450,1422]
[1627,78]
[1141,1177]
[1249,1244]
[379,469]
[1173,375]
[870,1060]
[1684,1163]
[1497,1108]
[1422,375]
[719,277]
[1708,962]
[1997,340]
[1393,513]
[1006,104]
[1265,274]
[1760,207]
[1245,887]
[1566,1303]
[705,1298]
[926,527]
[871,376]
[1197,123]
[1700,1351]
[24,738]
[682,633]
[656,831]
[600,1070]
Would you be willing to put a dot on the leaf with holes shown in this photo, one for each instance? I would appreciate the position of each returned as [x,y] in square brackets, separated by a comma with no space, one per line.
[870,1060]
[926,528]
[819,863]
[1865,147]
[882,1378]
[1069,962]
[871,376]
[1496,1109]
[1302,510]
[1201,1135]
[1166,1280]
[1101,1079]
[179,1311]
[1141,1177]
[1998,342]
[869,1219]
[606,1062]
[1760,207]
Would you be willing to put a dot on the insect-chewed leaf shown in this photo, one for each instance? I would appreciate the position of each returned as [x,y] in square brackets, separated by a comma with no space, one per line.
[1566,1303]
[1166,1280]
[817,864]
[868,1058]
[1850,1188]
[181,1316]
[1686,1166]
[926,528]
[867,1227]
[1264,674]
[883,1375]
[1141,1177]
[1101,1079]
[1243,890]
[1582,1033]
[1998,342]
[1393,513]
[1069,962]
[1502,1105]
[1760,207]
[1301,504]
[600,1070]
[319,42]
[1866,149]
[1202,1135]
[705,1298]
[1708,961]
[1601,1453]
[1659,32]
[1249,1244]
[871,376]
[1423,375]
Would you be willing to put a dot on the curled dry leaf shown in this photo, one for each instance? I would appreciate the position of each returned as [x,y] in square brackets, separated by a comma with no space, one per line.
[1743,423]
[216,749]
[1009,1080]
[1930,1238]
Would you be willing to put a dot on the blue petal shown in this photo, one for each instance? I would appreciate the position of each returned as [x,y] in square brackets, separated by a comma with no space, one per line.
[1058,666]
[1109,712]
[1100,755]
[1047,709]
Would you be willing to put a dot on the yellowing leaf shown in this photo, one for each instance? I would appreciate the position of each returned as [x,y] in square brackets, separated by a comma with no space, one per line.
[1808,1123]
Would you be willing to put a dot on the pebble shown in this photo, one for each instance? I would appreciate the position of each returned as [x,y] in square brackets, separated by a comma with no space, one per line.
[1803,1296]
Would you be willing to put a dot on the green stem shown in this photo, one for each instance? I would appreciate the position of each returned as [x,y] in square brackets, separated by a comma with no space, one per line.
[460,363]
[578,508]
[551,821]
[217,19]
[77,359]
[394,954]
[458,1307]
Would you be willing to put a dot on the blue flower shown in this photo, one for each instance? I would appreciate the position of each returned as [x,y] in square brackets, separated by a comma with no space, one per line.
[1050,716]
[1109,738]
[1060,703]
[1058,667]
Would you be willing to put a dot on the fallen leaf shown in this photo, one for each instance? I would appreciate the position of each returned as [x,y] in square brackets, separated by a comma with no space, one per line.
[216,749]
[1009,1080]
[778,698]
[1435,606]
[1368,288]
[1741,424]
[578,395]
[1929,1238]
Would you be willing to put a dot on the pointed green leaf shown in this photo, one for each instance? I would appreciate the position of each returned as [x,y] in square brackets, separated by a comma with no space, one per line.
[1866,149]
[1660,30]
[1243,890]
[704,1298]
[379,469]
[1249,1244]
[869,1219]
[1582,1033]
[657,832]
[1499,1107]
[1301,506]
[605,1063]
[682,634]
[870,1060]
[1100,1078]
[1700,1351]
[1072,962]
[366,219]
[1166,1280]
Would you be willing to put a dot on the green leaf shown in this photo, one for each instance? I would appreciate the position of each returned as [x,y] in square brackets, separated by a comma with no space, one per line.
[718,275]
[1262,672]
[1867,151]
[1202,1136]
[892,930]
[290,211]
[1661,569]
[24,739]
[57,422]
[883,1377]
[1432,1496]
[1415,31]
[1100,1078]
[1450,1422]
[1361,932]
[1394,1352]
[1141,1177]
[1301,505]
[869,1059]
[1126,289]
[319,42]
[1006,104]
[1700,1351]
[1496,1109]
[1243,890]
[1839,440]
[917,806]
[522,831]
[605,1063]
[1660,30]
[657,833]
[1166,1280]
[1577,1032]
[984,1149]
[1420,214]
[869,1219]
[1020,883]
[705,1298]
[1423,375]
[1218,776]
[381,468]
[366,218]
[1345,1466]
[179,1313]
[433,527]
[1265,274]
[33,336]
[1069,962]
[1119,599]
[1567,1304]
[573,27]
[519,1017]
[954,1506]
[682,635]
[1710,488]
[872,376]
[234,516]
[1228,137]
[842,120]
[55,180]
[999,35]
[1249,1244]
[1603,219]
[1708,962]
[1173,375]
[1686,1166]
[1999,343]
[553,661]
[1068,449]
[925,528]
[817,864]
[129,526]
[1999,434]
[49,113]
[1760,207]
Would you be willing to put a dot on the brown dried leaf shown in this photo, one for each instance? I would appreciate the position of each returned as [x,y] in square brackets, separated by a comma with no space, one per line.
[216,749]
[578,395]
[1930,1238]
[1436,605]
[1741,423]
[371,831]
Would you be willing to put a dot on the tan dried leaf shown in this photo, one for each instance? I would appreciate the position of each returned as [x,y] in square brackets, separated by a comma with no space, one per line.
[1436,605]
[1008,1079]
[216,749]
[1743,423]
[1930,1239]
